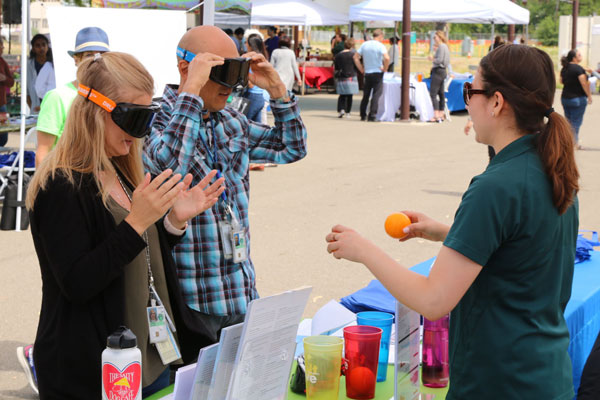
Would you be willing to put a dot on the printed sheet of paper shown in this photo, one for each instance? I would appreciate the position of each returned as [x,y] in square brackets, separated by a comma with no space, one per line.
[204,372]
[407,354]
[225,361]
[267,346]
[331,317]
[184,380]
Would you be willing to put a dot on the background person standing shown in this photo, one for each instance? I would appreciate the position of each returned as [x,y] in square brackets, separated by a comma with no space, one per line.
[346,81]
[576,93]
[375,61]
[441,61]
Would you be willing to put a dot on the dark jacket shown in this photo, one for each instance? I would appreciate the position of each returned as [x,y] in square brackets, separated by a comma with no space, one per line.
[82,254]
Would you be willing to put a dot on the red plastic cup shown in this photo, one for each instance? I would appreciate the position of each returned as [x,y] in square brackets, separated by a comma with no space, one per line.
[362,355]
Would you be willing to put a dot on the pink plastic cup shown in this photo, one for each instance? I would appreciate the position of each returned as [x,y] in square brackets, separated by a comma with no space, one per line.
[362,355]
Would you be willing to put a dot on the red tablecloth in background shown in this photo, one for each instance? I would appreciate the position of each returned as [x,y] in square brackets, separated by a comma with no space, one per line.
[316,76]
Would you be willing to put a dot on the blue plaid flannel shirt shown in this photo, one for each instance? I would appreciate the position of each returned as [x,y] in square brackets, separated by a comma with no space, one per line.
[210,283]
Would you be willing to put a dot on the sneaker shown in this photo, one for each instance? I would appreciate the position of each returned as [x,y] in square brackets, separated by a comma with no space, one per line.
[342,113]
[25,357]
[347,115]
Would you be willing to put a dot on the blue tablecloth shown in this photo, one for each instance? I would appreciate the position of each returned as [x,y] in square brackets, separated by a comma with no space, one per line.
[582,313]
[455,93]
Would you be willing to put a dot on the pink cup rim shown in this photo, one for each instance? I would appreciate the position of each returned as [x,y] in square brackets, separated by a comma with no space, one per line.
[363,332]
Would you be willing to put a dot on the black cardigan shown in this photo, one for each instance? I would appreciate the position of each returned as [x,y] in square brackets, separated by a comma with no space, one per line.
[82,254]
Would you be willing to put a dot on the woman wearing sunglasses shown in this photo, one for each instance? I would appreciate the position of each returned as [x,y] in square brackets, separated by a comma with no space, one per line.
[103,231]
[506,265]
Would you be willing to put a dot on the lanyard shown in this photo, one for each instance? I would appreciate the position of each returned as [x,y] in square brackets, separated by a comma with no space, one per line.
[153,293]
[214,160]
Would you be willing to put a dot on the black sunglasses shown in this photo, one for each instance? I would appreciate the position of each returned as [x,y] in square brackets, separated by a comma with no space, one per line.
[135,119]
[468,92]
[232,74]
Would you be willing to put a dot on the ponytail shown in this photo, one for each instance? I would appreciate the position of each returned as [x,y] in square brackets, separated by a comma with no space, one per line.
[565,60]
[556,148]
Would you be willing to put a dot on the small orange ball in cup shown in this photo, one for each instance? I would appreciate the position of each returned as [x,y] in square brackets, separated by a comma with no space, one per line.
[361,379]
[395,223]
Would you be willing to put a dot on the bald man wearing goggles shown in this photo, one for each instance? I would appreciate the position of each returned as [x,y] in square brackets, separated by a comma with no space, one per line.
[194,133]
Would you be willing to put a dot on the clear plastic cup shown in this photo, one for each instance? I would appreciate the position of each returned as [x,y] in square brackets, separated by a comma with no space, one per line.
[384,321]
[323,362]
[362,355]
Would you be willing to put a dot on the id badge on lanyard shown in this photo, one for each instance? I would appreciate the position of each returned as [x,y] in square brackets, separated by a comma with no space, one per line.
[233,236]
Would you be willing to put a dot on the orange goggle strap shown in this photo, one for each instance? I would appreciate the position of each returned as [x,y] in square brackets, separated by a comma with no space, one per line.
[96,98]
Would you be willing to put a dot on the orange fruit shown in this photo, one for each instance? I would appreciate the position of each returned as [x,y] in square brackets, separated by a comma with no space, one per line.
[395,223]
[361,380]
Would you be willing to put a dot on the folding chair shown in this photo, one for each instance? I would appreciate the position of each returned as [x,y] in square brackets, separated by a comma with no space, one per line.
[6,172]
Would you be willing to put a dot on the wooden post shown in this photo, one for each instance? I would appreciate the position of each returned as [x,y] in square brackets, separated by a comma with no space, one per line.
[574,24]
[405,106]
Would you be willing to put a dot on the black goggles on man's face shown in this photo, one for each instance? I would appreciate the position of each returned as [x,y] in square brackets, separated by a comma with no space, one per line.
[233,73]
[135,119]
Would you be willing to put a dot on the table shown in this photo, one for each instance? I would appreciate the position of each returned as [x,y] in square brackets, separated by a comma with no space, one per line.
[316,76]
[390,100]
[582,313]
[454,94]
[383,390]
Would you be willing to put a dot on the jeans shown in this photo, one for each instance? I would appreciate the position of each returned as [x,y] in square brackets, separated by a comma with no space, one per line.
[574,109]
[374,83]
[344,103]
[256,105]
[438,75]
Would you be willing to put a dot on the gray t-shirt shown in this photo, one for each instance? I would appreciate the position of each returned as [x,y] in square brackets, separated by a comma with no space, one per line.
[442,56]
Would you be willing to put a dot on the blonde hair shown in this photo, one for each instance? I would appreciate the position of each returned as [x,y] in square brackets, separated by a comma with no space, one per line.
[81,147]
[442,36]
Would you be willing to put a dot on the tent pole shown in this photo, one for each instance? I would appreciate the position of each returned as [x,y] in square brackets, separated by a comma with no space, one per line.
[493,34]
[24,30]
[405,105]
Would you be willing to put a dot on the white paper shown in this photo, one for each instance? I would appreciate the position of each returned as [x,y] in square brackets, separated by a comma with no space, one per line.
[305,327]
[225,361]
[265,356]
[184,381]
[204,371]
[331,317]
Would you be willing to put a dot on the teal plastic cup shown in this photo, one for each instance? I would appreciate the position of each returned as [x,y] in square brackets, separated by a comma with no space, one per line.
[384,321]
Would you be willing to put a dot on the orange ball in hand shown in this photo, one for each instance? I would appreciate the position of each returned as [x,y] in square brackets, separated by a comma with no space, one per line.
[395,223]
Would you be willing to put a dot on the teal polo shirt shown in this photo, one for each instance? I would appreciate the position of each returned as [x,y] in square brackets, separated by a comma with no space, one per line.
[508,336]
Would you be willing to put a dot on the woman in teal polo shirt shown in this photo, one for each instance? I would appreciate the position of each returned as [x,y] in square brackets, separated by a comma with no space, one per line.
[506,266]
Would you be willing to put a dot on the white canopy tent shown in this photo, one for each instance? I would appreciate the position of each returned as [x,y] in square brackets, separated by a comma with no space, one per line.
[294,12]
[457,11]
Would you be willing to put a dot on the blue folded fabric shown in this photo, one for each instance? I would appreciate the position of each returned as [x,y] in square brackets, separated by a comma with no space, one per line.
[6,160]
[584,246]
[374,297]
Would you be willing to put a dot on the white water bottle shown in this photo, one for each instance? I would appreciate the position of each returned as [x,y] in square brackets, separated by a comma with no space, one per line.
[122,367]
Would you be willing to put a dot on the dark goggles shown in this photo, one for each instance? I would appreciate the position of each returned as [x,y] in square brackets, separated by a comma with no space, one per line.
[135,119]
[232,74]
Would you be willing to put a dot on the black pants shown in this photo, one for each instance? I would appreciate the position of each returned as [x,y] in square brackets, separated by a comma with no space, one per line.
[589,388]
[345,103]
[190,341]
[373,83]
[438,75]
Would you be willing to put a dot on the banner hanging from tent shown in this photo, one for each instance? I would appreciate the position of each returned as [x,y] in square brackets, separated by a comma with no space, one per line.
[241,7]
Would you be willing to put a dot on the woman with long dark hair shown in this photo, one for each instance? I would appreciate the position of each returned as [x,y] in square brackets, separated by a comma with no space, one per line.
[40,71]
[506,265]
[576,94]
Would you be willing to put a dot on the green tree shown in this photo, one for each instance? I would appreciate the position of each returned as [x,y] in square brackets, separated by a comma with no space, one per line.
[547,31]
